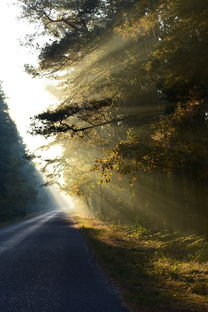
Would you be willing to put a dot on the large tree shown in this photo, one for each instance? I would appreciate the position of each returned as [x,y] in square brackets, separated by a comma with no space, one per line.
[130,79]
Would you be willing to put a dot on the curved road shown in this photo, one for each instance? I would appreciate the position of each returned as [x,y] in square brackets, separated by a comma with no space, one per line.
[45,266]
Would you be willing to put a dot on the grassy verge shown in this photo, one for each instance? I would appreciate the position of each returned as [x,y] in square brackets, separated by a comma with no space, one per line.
[154,271]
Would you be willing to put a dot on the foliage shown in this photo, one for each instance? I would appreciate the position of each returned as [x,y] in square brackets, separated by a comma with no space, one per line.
[91,113]
[131,80]
[172,144]
[74,26]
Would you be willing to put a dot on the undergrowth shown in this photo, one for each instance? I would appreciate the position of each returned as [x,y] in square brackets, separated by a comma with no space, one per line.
[155,271]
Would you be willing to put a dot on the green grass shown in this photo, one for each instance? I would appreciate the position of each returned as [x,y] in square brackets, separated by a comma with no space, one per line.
[154,271]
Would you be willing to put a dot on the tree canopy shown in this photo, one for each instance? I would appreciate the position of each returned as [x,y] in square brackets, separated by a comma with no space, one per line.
[131,80]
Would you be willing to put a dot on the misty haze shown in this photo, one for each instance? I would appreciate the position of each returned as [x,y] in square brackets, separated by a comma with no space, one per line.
[103,156]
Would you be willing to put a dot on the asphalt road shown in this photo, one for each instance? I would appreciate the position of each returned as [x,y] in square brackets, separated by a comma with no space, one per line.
[45,266]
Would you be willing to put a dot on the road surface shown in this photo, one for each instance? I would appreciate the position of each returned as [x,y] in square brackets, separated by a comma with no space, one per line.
[45,266]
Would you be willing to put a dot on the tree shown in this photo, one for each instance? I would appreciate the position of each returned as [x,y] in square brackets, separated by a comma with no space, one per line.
[74,27]
[131,80]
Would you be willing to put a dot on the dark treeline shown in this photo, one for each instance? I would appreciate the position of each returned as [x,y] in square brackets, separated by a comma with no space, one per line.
[132,82]
[20,184]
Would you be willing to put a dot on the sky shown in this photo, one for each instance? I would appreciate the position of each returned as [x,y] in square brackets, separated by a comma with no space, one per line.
[26,96]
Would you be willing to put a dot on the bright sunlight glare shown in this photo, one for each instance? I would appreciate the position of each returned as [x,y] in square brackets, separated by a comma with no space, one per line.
[25,96]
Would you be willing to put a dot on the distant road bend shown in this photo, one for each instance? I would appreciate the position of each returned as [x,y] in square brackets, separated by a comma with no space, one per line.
[45,266]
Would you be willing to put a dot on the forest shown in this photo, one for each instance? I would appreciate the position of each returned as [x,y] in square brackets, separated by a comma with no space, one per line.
[110,212]
[21,190]
[132,117]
